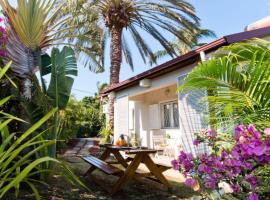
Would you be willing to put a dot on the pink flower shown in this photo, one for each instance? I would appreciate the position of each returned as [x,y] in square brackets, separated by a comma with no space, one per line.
[210,184]
[175,164]
[196,142]
[267,131]
[3,30]
[236,188]
[190,182]
[2,53]
[1,19]
[252,180]
[238,131]
[253,196]
[211,133]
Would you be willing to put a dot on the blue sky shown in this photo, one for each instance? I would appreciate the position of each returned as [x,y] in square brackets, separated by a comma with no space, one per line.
[222,16]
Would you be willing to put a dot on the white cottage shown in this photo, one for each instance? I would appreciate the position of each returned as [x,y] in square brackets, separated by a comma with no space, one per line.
[148,104]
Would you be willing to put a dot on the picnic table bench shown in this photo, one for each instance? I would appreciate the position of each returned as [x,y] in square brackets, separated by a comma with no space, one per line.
[102,165]
[130,165]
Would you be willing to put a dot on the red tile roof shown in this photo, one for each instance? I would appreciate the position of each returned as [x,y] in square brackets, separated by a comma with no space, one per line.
[189,58]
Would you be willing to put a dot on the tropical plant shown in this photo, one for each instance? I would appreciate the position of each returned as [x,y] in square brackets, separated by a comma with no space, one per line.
[182,48]
[15,168]
[240,169]
[239,80]
[23,156]
[100,87]
[33,27]
[129,19]
[61,66]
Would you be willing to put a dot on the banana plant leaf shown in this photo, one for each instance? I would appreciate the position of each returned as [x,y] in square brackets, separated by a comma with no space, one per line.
[63,68]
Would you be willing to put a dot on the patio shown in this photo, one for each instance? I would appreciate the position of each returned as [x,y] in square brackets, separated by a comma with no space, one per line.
[135,189]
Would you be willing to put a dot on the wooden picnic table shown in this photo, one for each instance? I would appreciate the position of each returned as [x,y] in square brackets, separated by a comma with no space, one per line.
[130,165]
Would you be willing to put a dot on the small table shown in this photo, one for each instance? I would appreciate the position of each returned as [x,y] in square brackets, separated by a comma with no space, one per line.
[140,156]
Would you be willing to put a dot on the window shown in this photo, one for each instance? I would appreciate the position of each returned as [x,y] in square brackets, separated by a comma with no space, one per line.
[170,115]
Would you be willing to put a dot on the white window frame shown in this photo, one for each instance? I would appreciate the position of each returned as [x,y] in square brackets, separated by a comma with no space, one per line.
[172,125]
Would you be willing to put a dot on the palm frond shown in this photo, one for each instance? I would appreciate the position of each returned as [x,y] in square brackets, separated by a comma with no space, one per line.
[154,18]
[35,25]
[240,81]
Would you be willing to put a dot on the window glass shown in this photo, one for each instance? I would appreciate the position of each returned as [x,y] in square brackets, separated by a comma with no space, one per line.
[175,115]
[170,115]
[167,115]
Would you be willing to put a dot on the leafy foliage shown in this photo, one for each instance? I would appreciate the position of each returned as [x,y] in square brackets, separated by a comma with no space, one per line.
[81,118]
[63,68]
[24,157]
[33,27]
[17,168]
[239,81]
[138,17]
[194,41]
[263,174]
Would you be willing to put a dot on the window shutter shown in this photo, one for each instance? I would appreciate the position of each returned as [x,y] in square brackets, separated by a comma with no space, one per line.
[154,117]
[121,116]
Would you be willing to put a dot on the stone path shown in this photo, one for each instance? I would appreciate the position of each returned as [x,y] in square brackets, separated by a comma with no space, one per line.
[81,147]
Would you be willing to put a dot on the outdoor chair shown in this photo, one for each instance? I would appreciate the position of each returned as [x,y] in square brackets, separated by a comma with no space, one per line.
[160,144]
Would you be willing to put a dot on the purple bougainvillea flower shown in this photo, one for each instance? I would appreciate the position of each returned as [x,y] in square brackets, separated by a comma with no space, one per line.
[267,131]
[196,142]
[212,133]
[2,53]
[190,182]
[249,150]
[182,156]
[202,168]
[236,135]
[187,165]
[259,150]
[253,196]
[248,166]
[240,128]
[189,156]
[224,154]
[3,30]
[252,180]
[235,154]
[251,129]
[210,184]
[175,164]
[236,188]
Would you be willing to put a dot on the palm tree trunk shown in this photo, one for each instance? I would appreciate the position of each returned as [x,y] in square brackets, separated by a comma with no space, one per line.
[116,59]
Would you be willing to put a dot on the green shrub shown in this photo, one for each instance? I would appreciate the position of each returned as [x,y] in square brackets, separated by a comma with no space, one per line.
[81,120]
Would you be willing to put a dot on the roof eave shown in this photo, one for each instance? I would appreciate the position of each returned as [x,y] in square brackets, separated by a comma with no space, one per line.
[188,58]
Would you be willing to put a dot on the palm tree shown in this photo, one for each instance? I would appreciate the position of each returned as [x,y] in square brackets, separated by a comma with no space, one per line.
[100,87]
[239,77]
[126,20]
[194,41]
[33,27]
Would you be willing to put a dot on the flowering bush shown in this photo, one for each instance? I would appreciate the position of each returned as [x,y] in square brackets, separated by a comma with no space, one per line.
[3,40]
[235,167]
